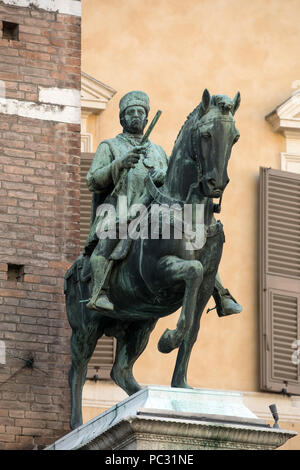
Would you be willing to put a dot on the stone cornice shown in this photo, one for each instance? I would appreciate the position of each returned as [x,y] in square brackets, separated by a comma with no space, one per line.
[94,94]
[142,433]
[66,7]
[286,116]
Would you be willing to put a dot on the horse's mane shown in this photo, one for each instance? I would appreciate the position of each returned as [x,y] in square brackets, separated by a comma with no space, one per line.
[196,111]
[187,121]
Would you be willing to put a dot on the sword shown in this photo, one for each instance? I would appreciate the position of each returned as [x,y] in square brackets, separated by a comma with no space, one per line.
[124,172]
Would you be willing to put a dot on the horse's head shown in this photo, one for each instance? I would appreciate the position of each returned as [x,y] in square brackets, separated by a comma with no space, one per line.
[202,149]
[213,135]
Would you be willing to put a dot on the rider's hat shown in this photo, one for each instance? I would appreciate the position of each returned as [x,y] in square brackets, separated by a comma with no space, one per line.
[134,98]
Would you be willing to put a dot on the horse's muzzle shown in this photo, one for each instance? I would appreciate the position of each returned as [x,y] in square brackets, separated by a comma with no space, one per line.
[216,193]
[210,190]
[213,188]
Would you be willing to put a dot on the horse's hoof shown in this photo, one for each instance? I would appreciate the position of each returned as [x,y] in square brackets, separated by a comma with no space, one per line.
[167,342]
[74,425]
[181,385]
[126,382]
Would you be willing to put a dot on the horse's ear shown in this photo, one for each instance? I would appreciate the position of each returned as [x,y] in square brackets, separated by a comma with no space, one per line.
[205,103]
[236,102]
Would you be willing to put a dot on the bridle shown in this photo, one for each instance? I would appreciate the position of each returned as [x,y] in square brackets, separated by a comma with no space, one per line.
[196,157]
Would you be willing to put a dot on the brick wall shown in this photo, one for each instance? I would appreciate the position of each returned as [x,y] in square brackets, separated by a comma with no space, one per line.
[39,222]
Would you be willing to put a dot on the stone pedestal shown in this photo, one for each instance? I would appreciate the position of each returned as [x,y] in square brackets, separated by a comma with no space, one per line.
[164,418]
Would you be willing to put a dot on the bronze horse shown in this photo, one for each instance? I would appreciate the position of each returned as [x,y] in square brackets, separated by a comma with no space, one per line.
[160,275]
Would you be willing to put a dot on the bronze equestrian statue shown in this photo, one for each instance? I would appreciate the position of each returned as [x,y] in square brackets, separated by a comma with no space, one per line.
[121,287]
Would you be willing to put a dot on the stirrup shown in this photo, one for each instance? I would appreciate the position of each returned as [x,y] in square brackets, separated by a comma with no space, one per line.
[101,303]
[230,306]
[225,303]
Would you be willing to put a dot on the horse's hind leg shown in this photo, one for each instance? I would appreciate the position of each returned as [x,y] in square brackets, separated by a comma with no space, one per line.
[83,344]
[131,342]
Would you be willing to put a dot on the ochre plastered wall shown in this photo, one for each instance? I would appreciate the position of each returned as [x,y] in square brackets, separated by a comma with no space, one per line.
[173,50]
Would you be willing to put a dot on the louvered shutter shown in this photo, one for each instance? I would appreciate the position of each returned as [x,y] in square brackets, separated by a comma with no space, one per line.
[103,358]
[279,280]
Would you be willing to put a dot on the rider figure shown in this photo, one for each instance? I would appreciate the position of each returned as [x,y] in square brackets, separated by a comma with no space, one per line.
[113,156]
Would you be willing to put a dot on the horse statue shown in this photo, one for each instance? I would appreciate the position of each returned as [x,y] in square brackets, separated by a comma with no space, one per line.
[159,276]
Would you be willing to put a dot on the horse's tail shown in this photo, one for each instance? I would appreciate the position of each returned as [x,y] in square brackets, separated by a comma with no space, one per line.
[77,283]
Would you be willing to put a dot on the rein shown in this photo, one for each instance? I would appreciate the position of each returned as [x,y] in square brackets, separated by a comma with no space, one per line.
[161,198]
[196,158]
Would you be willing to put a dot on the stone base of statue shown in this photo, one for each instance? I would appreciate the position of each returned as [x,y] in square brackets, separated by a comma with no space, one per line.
[165,418]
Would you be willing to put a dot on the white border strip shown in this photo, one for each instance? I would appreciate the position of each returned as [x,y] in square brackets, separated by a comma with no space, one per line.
[62,96]
[66,7]
[45,112]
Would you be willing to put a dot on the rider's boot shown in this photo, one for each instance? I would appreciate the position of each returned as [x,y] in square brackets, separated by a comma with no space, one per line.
[101,268]
[225,303]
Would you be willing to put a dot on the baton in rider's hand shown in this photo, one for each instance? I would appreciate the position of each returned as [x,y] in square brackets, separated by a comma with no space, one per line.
[138,149]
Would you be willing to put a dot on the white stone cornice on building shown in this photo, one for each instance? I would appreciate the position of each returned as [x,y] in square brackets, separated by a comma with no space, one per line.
[94,94]
[43,111]
[285,118]
[94,98]
[60,96]
[54,104]
[66,7]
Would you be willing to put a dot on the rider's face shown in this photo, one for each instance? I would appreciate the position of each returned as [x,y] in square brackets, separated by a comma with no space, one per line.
[134,119]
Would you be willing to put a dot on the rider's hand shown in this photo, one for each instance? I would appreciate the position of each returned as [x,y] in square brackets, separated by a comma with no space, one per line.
[131,158]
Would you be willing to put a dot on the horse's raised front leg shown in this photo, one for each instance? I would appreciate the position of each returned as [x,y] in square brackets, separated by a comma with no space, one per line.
[179,378]
[132,339]
[83,344]
[176,269]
